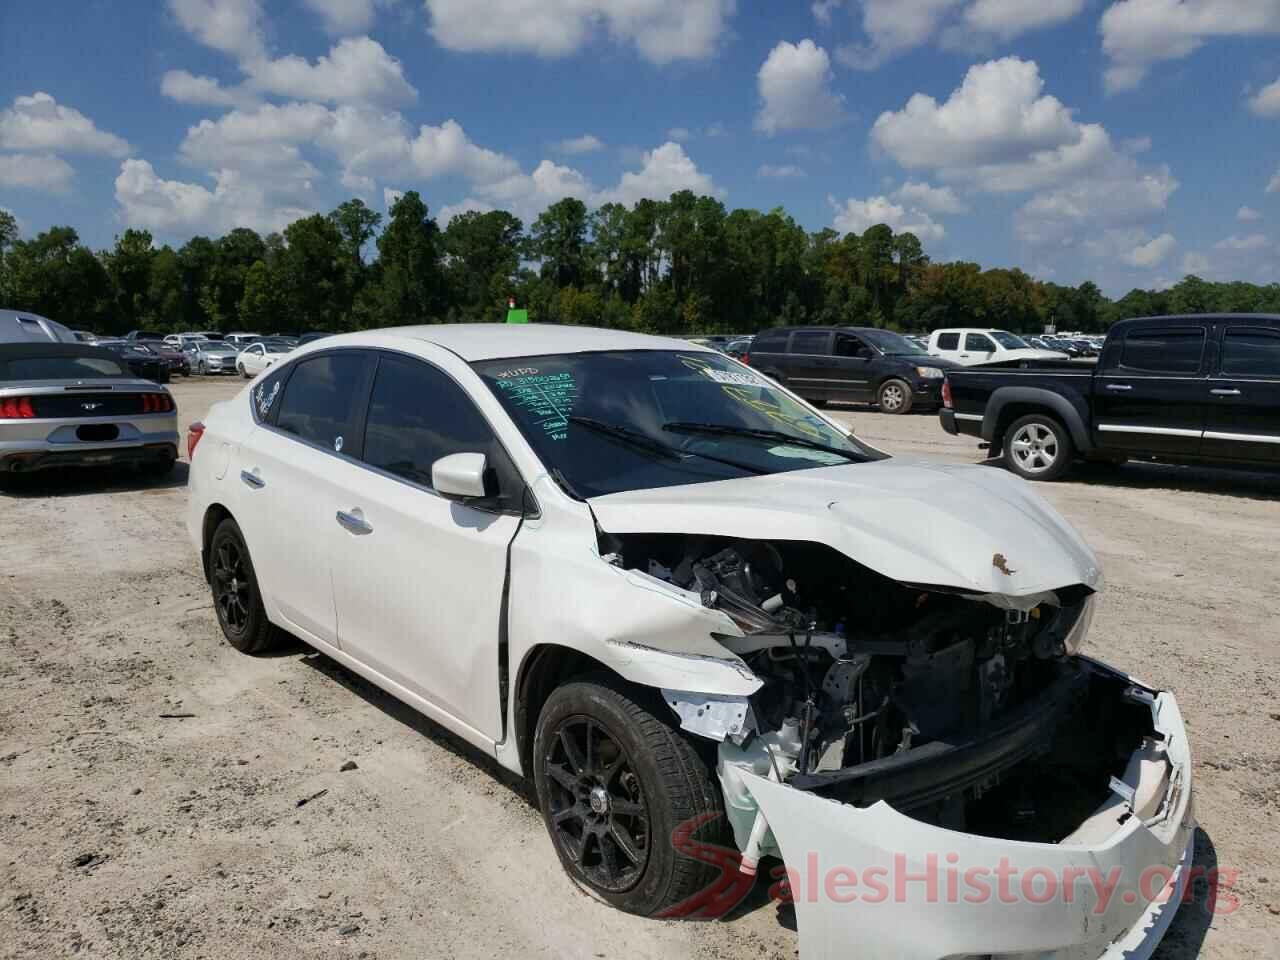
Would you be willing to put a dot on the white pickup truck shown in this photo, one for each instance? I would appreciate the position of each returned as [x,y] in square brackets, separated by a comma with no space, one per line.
[973,346]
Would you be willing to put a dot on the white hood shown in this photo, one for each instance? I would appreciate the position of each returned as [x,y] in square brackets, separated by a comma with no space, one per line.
[913,521]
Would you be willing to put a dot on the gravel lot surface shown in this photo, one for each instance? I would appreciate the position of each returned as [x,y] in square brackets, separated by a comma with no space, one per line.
[151,777]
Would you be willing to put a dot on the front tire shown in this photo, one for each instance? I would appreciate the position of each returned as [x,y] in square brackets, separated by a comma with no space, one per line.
[1038,447]
[894,397]
[237,598]
[243,372]
[614,782]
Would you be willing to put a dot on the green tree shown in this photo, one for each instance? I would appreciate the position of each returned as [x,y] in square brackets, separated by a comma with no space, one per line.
[559,240]
[262,307]
[409,283]
[312,275]
[129,267]
[56,276]
[483,258]
[356,225]
[223,285]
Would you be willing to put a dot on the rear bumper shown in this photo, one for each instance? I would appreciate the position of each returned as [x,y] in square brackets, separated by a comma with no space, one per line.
[30,445]
[960,423]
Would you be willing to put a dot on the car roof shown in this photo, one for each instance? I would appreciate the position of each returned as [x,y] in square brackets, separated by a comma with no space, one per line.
[495,341]
[1264,319]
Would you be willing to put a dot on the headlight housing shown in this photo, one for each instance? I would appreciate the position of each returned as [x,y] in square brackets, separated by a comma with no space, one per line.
[929,373]
[1075,639]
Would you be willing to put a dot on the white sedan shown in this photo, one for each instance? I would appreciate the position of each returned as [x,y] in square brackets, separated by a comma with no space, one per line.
[711,626]
[256,357]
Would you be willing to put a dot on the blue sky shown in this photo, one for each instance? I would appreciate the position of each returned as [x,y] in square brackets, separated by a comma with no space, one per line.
[1129,142]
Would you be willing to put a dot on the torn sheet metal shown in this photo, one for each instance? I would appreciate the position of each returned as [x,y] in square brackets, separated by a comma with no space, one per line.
[912,521]
[874,883]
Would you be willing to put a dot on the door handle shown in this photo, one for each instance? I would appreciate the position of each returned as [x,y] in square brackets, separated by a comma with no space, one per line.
[1119,386]
[1225,393]
[353,524]
[252,480]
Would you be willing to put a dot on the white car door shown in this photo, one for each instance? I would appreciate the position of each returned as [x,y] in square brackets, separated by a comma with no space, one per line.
[292,466]
[253,359]
[418,579]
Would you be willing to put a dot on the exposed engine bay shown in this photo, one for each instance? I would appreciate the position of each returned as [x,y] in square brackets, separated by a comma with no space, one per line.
[967,712]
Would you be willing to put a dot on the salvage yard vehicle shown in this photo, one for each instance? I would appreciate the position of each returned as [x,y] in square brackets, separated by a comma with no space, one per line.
[67,405]
[980,347]
[711,625]
[256,357]
[1182,389]
[214,356]
[142,361]
[21,326]
[859,364]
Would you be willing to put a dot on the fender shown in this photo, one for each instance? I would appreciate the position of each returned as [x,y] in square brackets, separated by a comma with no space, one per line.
[1074,412]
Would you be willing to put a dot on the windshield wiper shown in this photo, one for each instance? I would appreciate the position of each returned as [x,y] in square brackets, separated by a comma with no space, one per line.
[642,441]
[722,429]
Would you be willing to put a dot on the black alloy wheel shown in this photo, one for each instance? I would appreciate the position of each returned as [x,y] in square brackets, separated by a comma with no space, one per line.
[599,816]
[236,597]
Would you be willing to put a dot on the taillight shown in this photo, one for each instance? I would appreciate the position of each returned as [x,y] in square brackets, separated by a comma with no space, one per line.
[946,394]
[194,433]
[157,403]
[16,408]
[746,358]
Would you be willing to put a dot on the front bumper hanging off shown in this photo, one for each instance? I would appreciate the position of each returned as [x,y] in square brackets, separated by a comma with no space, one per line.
[875,883]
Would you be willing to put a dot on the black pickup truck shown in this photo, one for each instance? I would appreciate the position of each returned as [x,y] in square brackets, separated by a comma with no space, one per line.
[1182,389]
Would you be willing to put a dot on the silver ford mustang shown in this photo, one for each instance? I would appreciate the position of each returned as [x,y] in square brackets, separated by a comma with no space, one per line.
[69,404]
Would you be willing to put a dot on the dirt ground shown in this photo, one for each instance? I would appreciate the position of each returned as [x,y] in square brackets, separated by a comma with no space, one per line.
[152,779]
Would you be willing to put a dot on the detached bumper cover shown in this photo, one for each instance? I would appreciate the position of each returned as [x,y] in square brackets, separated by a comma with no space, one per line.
[874,883]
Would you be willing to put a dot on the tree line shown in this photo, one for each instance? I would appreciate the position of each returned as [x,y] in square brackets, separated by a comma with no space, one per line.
[686,265]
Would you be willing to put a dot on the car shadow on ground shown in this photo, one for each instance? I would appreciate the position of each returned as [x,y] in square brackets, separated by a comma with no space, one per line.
[84,481]
[411,718]
[1191,478]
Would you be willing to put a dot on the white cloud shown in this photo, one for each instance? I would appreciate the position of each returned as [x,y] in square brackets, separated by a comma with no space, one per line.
[664,171]
[390,196]
[822,10]
[356,70]
[998,116]
[35,171]
[1252,241]
[230,26]
[1246,214]
[446,149]
[587,143]
[931,198]
[679,134]
[40,123]
[855,216]
[147,200]
[1266,102]
[1152,253]
[184,87]
[661,30]
[786,171]
[716,129]
[893,27]
[344,17]
[795,90]
[1196,263]
[1137,34]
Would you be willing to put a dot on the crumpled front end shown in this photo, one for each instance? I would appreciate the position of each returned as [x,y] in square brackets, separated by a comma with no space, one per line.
[877,883]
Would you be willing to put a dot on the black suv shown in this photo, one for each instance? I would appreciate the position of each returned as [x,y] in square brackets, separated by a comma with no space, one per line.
[862,364]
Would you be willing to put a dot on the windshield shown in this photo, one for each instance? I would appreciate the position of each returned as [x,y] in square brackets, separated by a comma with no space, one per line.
[1008,340]
[893,344]
[684,418]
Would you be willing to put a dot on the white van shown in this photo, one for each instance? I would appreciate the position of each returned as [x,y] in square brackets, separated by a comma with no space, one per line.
[19,326]
[972,346]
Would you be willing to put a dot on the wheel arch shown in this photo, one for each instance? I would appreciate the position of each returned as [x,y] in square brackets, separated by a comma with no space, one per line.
[1008,404]
[214,514]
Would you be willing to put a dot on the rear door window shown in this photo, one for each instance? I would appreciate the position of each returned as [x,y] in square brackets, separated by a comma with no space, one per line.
[813,342]
[1251,352]
[978,343]
[1163,351]
[323,399]
[948,341]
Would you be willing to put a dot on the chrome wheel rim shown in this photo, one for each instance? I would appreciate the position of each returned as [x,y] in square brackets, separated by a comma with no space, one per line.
[892,397]
[1035,448]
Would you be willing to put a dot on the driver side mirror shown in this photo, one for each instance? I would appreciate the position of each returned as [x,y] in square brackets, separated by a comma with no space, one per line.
[460,476]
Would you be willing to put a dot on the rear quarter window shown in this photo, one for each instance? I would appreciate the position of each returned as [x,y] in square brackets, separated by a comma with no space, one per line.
[1251,352]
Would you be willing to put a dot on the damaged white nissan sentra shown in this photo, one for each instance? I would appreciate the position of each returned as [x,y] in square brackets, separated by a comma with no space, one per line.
[713,627]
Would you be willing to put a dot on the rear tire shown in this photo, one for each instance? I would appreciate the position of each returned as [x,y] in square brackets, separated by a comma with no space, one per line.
[236,596]
[894,396]
[614,782]
[1038,447]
